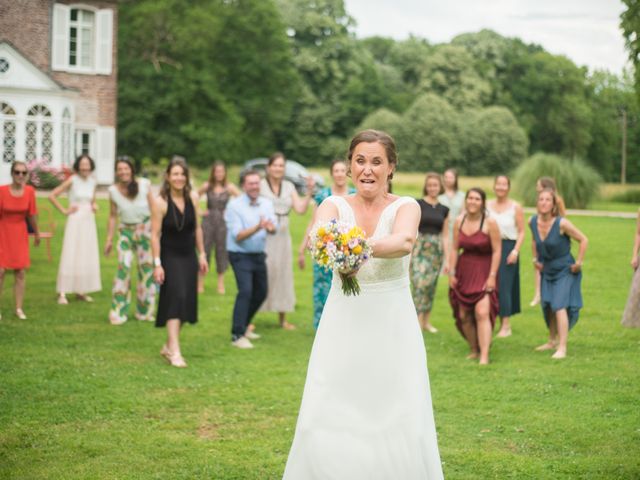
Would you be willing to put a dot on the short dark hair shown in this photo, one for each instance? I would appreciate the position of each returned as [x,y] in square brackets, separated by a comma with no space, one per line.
[244,174]
[76,164]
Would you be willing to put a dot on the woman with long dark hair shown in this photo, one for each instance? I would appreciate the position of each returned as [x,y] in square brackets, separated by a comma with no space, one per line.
[175,235]
[17,204]
[281,296]
[214,229]
[79,270]
[473,287]
[130,202]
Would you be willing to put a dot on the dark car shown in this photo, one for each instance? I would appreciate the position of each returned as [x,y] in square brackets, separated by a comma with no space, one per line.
[294,172]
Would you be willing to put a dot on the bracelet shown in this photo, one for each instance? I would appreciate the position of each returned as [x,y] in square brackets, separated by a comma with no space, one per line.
[534,260]
[492,274]
[157,262]
[515,251]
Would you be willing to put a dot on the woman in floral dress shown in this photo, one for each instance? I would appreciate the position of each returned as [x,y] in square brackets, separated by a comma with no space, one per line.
[430,249]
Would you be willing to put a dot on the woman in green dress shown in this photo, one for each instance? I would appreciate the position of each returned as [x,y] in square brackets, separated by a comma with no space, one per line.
[321,277]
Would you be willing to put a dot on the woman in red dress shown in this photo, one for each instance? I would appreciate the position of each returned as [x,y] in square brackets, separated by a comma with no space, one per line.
[472,279]
[17,203]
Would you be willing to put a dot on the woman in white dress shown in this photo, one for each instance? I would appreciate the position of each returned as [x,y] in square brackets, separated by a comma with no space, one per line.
[281,296]
[366,409]
[79,270]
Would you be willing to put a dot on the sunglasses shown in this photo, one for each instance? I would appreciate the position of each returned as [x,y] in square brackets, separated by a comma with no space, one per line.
[20,172]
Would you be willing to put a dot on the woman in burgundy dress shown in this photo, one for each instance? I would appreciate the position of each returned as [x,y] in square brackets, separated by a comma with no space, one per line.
[17,203]
[475,258]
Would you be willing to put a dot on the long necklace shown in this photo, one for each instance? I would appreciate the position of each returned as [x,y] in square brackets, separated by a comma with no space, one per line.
[179,226]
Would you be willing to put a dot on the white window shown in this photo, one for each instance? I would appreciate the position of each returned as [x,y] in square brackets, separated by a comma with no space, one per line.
[7,133]
[85,143]
[82,39]
[39,133]
[67,156]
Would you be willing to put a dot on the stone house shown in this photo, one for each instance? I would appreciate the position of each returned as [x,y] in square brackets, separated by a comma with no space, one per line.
[58,82]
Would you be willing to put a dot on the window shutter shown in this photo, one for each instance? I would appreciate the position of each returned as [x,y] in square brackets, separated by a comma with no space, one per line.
[105,154]
[60,37]
[104,41]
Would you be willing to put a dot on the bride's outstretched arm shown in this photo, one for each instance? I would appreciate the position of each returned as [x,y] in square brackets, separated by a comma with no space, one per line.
[405,230]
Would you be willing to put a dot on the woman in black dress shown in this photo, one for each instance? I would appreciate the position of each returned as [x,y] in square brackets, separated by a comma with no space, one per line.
[175,234]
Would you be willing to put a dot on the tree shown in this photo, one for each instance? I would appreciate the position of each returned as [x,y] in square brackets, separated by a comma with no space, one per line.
[182,91]
[449,72]
[492,140]
[429,135]
[548,95]
[630,24]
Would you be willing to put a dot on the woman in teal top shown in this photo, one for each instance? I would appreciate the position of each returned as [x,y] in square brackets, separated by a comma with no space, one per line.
[561,299]
[321,277]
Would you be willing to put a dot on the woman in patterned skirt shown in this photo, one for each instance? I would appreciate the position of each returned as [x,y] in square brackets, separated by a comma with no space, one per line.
[322,277]
[429,251]
[281,296]
[218,190]
[130,201]
[631,315]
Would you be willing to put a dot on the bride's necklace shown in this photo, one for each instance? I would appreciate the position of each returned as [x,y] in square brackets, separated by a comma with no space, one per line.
[179,225]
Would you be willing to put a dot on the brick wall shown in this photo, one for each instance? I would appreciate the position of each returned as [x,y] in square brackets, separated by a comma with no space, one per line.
[26,25]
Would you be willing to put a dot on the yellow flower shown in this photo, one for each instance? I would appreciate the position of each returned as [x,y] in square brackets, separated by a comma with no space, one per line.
[344,239]
[321,232]
[357,249]
[355,232]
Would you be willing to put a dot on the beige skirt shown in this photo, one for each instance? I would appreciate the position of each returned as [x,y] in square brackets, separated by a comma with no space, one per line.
[79,270]
[281,296]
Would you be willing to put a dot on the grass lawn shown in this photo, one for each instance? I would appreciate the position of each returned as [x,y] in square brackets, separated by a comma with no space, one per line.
[81,399]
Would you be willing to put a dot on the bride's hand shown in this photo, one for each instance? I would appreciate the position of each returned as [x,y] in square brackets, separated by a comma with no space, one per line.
[453,281]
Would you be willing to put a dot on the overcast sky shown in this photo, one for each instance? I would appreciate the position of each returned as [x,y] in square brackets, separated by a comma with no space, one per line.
[586,31]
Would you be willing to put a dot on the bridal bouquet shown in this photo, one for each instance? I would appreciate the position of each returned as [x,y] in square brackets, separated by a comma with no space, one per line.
[342,247]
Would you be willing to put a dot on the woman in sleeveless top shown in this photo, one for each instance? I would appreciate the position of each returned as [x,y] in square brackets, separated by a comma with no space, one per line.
[281,296]
[473,283]
[214,229]
[175,234]
[79,270]
[430,249]
[509,216]
[452,197]
[631,315]
[321,277]
[561,275]
[366,410]
[130,202]
[546,183]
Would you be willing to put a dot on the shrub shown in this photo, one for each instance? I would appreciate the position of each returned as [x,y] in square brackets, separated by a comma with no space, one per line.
[630,196]
[577,183]
[44,176]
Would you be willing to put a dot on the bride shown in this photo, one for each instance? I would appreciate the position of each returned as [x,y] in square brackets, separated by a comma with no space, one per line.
[366,409]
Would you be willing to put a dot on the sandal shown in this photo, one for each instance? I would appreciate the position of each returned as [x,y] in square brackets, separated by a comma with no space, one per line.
[174,359]
[84,298]
[20,314]
[62,299]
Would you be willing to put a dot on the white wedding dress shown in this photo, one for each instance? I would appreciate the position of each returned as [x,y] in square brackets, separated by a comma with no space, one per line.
[366,410]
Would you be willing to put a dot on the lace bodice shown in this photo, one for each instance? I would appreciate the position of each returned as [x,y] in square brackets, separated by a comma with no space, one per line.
[377,270]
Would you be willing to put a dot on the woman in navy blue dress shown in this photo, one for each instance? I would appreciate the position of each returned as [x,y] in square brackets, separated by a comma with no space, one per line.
[561,299]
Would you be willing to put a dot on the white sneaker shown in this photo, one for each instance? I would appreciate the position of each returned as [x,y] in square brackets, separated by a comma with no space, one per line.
[242,342]
[251,335]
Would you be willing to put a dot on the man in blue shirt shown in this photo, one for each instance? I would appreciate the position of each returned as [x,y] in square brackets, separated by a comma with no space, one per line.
[249,219]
